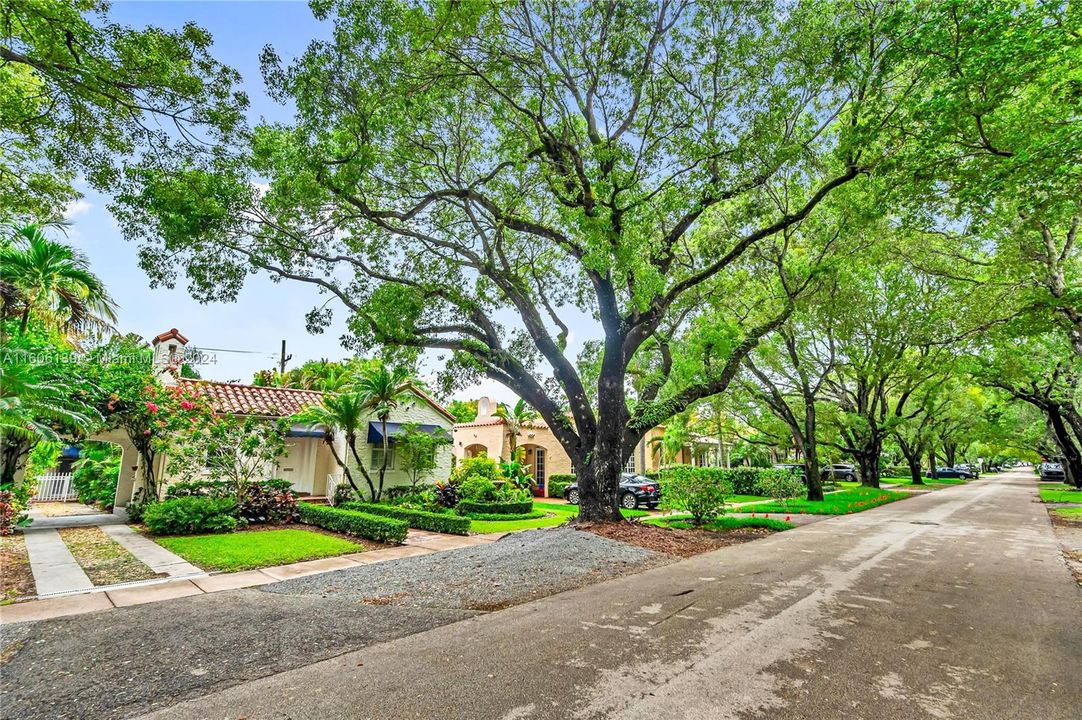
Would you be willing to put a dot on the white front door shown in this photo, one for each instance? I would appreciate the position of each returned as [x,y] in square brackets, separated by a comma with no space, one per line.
[298,464]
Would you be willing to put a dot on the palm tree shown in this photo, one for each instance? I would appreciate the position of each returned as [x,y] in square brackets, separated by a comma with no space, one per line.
[53,281]
[381,392]
[343,413]
[30,410]
[514,419]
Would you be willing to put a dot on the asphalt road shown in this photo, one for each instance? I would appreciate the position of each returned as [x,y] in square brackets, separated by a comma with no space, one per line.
[955,604]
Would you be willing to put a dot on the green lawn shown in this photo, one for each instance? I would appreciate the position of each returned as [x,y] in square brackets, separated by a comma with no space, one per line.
[561,513]
[938,482]
[574,509]
[733,499]
[256,549]
[720,524]
[1073,512]
[1059,493]
[839,503]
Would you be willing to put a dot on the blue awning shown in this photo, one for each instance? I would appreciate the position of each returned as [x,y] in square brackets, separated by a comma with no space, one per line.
[306,431]
[375,431]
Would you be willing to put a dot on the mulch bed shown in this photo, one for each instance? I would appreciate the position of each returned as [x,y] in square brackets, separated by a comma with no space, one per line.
[16,579]
[670,541]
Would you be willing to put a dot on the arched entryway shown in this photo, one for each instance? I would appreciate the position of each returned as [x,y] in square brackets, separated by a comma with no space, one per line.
[475,450]
[535,457]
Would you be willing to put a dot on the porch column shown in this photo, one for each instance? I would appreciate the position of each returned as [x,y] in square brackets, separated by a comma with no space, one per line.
[125,482]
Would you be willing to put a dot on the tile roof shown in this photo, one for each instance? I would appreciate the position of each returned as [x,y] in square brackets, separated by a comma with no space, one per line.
[484,422]
[272,401]
[253,399]
[169,335]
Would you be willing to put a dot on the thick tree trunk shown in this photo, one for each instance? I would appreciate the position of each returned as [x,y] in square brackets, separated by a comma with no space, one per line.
[916,472]
[868,461]
[811,455]
[950,453]
[1072,459]
[931,464]
[599,483]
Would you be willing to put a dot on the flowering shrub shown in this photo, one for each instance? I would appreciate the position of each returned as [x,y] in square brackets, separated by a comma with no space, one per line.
[481,466]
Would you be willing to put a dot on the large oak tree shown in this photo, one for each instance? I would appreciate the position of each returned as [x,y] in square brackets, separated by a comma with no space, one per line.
[466,177]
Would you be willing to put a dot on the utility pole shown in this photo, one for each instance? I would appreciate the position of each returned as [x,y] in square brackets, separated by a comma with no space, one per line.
[283,359]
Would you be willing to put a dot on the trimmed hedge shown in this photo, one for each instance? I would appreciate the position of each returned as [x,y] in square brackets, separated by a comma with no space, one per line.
[420,519]
[559,483]
[498,517]
[739,480]
[353,522]
[519,507]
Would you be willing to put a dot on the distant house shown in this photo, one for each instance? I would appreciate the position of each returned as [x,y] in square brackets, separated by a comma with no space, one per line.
[489,435]
[308,462]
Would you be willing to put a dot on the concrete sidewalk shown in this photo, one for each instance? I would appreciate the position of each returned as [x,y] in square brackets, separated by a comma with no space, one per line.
[954,604]
[65,574]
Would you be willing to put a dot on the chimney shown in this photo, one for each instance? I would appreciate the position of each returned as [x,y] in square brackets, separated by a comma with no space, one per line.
[168,356]
[485,408]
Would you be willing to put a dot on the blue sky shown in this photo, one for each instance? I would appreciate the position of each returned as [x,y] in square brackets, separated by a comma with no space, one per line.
[265,313]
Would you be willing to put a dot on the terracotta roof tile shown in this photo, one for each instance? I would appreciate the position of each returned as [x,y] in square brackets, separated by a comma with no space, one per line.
[253,399]
[271,401]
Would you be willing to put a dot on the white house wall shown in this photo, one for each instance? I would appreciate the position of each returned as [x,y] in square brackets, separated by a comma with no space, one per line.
[421,413]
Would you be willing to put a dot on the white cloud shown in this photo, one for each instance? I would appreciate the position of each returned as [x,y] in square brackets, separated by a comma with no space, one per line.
[77,208]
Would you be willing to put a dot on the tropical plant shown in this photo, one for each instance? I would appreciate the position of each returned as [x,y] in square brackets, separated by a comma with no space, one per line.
[514,419]
[53,283]
[343,413]
[701,494]
[380,391]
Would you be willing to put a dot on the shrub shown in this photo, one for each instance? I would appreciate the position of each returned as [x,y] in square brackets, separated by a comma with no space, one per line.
[12,513]
[137,506]
[446,494]
[354,522]
[201,488]
[267,503]
[343,493]
[420,519]
[513,507]
[780,484]
[700,493]
[483,466]
[477,488]
[558,482]
[192,515]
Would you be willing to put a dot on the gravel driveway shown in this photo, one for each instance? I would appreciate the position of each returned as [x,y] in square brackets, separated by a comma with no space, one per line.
[123,662]
[515,569]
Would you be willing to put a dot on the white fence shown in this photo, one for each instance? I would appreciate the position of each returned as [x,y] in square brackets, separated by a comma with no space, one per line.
[55,486]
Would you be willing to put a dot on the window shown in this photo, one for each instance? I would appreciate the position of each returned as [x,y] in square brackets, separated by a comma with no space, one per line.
[377,457]
[629,466]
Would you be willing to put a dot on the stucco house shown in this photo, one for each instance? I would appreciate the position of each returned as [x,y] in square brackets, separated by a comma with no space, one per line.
[308,462]
[490,435]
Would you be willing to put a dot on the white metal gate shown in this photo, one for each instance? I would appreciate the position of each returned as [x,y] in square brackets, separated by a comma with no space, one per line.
[55,486]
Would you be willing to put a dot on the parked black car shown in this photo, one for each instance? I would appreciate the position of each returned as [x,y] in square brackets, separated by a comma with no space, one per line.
[635,490]
[954,472]
[839,471]
[1052,472]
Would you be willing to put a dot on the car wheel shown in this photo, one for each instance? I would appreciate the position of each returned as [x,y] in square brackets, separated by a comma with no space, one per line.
[573,497]
[629,501]
[850,477]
